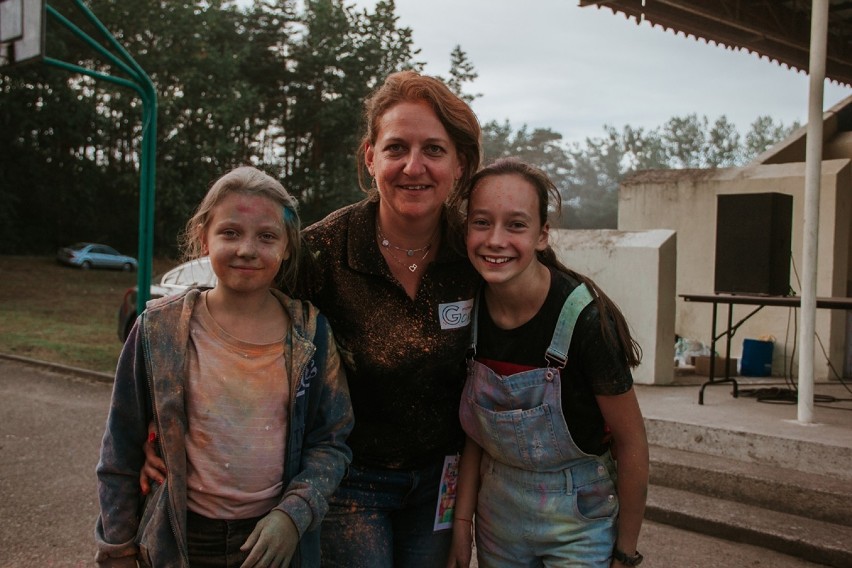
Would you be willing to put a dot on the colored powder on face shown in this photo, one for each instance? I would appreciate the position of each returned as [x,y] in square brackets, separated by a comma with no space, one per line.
[289,216]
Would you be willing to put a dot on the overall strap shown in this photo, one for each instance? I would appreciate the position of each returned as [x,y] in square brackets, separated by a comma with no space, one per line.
[474,325]
[557,353]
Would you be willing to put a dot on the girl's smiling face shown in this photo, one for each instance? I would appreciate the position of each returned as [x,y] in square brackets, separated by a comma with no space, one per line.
[246,241]
[504,230]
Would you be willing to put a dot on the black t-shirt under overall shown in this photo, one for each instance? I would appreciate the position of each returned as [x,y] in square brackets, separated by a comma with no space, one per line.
[594,367]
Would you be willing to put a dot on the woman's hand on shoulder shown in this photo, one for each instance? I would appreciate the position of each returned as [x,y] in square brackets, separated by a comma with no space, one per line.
[154,469]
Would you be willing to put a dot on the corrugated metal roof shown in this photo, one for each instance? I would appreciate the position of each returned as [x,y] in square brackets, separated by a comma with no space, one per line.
[776,29]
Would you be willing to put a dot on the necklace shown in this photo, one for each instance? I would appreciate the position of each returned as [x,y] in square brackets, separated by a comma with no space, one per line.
[389,246]
[409,252]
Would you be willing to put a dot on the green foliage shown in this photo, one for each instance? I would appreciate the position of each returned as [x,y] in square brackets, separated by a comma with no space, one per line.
[542,147]
[588,174]
[339,57]
[763,134]
[280,85]
[461,71]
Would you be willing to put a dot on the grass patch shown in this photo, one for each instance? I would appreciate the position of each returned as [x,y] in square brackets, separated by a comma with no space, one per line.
[61,314]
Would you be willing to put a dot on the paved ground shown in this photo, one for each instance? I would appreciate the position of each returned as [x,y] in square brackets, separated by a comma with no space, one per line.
[50,433]
[49,438]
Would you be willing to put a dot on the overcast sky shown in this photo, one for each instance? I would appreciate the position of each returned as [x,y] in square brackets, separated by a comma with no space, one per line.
[551,64]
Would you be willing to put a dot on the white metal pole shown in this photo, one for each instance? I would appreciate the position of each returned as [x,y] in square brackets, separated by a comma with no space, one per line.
[813,172]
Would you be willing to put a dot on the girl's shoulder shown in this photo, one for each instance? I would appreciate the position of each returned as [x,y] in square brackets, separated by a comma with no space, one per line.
[304,316]
[562,285]
[170,302]
[562,281]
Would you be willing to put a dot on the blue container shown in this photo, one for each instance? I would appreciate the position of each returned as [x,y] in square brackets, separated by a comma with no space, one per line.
[757,358]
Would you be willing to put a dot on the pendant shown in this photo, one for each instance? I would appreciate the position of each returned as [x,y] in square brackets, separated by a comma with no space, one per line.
[410,252]
[385,243]
[412,267]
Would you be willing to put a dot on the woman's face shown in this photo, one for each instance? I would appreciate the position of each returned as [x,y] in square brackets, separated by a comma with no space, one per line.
[503,229]
[414,161]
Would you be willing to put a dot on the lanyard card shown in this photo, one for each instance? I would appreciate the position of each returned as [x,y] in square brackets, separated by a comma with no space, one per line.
[447,493]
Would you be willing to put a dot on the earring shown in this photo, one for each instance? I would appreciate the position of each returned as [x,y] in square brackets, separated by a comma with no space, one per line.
[373,184]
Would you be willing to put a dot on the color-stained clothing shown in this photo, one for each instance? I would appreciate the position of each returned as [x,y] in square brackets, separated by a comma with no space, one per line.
[567,517]
[595,365]
[236,405]
[150,385]
[404,358]
[533,473]
[385,518]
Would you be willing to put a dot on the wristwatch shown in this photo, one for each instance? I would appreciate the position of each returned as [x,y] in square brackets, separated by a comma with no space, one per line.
[634,560]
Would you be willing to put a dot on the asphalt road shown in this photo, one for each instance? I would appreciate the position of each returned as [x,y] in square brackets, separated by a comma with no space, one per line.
[51,425]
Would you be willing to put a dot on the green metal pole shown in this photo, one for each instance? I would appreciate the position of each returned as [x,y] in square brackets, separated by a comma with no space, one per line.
[92,43]
[143,85]
[149,140]
[147,165]
[96,74]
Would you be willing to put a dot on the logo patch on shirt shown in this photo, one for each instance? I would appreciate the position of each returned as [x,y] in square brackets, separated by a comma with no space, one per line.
[455,314]
[307,375]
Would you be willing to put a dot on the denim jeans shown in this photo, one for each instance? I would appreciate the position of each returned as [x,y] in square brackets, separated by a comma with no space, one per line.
[215,543]
[380,518]
[558,518]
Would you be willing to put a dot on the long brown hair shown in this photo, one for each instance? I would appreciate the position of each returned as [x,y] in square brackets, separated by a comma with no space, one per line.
[548,195]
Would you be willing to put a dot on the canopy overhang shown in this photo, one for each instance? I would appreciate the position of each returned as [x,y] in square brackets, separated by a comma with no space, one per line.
[776,29]
[807,35]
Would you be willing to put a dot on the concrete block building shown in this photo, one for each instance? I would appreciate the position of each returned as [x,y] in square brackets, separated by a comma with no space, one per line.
[685,201]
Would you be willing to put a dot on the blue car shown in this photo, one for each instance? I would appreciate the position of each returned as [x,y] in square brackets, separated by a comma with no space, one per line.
[93,255]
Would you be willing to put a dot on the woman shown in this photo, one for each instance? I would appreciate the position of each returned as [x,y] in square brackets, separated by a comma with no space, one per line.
[391,276]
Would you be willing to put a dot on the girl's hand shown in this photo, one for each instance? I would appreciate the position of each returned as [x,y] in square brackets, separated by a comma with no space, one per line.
[154,468]
[460,552]
[272,542]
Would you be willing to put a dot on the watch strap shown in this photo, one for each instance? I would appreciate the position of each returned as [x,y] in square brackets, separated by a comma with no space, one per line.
[622,557]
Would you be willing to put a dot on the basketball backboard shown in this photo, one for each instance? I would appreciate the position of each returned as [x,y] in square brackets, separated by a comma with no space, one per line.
[21,31]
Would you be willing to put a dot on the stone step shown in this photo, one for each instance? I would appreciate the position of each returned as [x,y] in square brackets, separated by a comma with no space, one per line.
[751,472]
[781,449]
[811,539]
[805,494]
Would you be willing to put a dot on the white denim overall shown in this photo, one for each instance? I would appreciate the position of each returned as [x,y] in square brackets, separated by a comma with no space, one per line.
[542,500]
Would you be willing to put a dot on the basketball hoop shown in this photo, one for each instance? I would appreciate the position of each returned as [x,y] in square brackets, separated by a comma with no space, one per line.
[21,31]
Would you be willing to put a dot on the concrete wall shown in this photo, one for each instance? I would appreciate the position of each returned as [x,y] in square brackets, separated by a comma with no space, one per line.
[636,270]
[684,201]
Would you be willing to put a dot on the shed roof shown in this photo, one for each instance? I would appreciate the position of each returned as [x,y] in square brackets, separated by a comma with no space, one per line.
[776,29]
